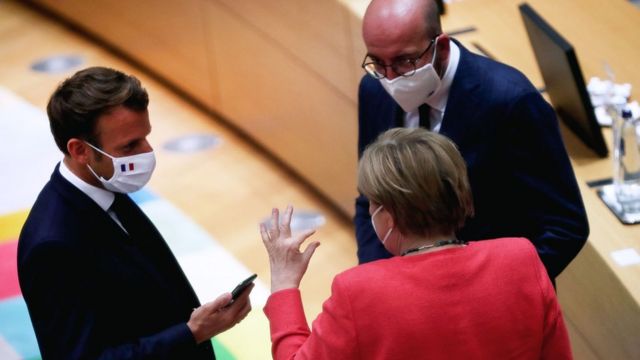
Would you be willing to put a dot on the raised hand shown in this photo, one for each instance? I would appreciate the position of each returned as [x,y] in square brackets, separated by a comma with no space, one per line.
[288,264]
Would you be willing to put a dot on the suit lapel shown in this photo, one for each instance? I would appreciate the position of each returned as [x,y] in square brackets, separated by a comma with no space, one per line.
[144,247]
[91,212]
[464,102]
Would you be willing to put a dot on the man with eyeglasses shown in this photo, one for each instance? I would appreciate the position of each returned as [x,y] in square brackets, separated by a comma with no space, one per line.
[520,173]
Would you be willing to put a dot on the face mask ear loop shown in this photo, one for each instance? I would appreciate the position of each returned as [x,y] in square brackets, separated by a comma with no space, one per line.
[95,174]
[435,50]
[103,153]
[98,150]
[386,236]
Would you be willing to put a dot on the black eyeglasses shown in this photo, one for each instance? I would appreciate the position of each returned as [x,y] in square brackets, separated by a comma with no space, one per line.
[403,67]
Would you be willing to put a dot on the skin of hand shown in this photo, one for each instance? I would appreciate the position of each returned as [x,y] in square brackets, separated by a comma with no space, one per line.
[288,264]
[218,316]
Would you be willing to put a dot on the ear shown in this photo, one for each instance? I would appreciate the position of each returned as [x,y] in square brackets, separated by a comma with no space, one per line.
[79,151]
[443,51]
[443,45]
[389,220]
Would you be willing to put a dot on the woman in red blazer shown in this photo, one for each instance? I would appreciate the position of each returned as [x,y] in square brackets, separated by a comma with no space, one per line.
[438,297]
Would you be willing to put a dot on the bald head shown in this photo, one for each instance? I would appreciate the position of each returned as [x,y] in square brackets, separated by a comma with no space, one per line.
[389,22]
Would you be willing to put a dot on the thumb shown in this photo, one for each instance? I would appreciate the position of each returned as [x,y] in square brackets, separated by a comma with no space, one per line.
[300,238]
[221,301]
[308,252]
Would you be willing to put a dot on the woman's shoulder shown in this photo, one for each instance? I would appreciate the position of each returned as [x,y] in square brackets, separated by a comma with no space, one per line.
[512,252]
[506,244]
[366,272]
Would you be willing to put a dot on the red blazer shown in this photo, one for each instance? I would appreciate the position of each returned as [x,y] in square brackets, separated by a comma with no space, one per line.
[487,300]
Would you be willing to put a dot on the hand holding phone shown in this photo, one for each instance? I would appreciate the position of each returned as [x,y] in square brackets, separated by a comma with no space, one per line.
[240,288]
[214,317]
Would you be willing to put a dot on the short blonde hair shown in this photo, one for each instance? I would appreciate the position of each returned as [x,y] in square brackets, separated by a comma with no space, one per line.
[420,178]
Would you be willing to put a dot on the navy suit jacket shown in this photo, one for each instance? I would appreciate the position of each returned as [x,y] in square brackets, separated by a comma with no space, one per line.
[94,292]
[520,174]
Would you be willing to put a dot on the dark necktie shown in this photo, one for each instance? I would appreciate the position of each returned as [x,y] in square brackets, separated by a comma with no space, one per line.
[122,207]
[424,111]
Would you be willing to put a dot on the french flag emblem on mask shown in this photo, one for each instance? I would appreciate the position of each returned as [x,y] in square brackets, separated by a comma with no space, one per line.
[130,178]
[123,167]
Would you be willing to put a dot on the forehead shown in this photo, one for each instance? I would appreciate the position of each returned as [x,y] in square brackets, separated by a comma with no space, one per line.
[388,39]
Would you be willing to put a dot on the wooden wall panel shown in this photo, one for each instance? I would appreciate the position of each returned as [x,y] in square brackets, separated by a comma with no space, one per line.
[166,36]
[289,109]
[316,33]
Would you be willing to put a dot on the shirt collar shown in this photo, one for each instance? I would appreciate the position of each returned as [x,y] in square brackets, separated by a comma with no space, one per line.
[439,99]
[102,197]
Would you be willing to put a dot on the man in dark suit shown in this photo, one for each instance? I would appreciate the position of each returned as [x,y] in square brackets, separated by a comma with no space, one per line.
[520,173]
[98,279]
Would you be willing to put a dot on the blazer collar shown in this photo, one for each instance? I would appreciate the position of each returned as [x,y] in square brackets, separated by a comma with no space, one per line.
[464,97]
[102,197]
[84,205]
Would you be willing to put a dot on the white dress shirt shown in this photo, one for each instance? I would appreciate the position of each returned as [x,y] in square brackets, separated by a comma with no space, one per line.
[102,197]
[438,101]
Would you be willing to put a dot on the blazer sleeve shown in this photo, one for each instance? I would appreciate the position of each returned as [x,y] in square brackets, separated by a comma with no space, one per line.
[542,177]
[373,110]
[62,304]
[333,335]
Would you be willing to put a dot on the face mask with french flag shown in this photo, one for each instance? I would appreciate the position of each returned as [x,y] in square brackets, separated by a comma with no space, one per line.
[127,167]
[130,173]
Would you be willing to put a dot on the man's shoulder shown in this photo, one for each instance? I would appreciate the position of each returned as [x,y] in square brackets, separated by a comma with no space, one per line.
[499,77]
[371,87]
[51,219]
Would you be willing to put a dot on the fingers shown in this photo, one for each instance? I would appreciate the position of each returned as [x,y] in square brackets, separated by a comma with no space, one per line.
[242,299]
[308,252]
[264,234]
[285,225]
[301,237]
[278,235]
[245,294]
[240,314]
[219,303]
[274,231]
[277,228]
[215,317]
[241,307]
[246,309]
[286,218]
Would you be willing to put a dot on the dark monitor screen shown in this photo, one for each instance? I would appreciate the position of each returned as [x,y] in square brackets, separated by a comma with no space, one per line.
[563,80]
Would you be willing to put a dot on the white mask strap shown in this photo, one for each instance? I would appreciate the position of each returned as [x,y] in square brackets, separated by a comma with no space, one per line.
[435,49]
[376,211]
[384,240]
[100,151]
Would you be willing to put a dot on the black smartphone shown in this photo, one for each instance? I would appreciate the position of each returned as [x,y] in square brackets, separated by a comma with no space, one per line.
[238,290]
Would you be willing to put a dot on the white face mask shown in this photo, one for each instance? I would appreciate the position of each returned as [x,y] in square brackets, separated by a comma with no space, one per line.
[412,91]
[130,173]
[386,236]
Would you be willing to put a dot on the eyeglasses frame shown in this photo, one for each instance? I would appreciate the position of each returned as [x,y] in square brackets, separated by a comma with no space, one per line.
[394,65]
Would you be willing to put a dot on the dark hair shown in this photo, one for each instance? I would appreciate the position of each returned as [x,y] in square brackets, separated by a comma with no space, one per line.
[80,100]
